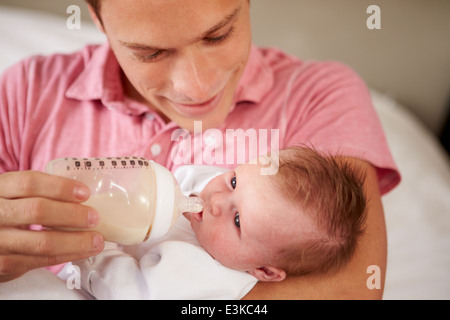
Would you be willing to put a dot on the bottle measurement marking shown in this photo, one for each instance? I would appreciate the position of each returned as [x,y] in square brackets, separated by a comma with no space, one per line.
[107,163]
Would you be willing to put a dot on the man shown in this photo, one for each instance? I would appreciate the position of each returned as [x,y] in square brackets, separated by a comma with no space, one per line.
[167,65]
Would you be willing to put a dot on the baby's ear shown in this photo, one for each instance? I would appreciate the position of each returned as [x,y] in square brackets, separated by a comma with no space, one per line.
[268,274]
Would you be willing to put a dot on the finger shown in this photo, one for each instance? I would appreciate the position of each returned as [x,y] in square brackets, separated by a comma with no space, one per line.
[13,266]
[45,212]
[49,243]
[26,184]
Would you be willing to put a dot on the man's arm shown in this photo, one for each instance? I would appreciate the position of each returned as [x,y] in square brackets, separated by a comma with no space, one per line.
[351,281]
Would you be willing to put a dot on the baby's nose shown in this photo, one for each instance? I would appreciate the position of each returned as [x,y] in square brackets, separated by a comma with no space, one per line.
[219,204]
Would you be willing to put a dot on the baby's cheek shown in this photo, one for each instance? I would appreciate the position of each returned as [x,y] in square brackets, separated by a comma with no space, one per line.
[215,244]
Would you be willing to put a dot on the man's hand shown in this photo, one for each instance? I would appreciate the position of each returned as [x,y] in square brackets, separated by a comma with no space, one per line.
[34,198]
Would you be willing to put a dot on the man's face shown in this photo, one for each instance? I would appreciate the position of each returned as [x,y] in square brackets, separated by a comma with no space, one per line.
[182,57]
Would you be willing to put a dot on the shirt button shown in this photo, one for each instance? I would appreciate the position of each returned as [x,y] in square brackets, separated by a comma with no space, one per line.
[149,116]
[156,149]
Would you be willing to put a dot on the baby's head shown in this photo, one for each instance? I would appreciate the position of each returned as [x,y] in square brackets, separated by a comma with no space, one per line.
[304,219]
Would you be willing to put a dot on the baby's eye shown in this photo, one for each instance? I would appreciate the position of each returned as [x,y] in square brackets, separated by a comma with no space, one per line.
[236,220]
[233,182]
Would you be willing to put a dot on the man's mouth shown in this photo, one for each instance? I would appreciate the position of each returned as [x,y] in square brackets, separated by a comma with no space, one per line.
[200,108]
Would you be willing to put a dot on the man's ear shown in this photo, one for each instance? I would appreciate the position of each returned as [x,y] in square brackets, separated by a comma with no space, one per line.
[96,19]
[268,274]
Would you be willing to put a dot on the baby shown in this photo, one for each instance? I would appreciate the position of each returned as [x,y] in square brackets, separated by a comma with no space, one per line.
[304,219]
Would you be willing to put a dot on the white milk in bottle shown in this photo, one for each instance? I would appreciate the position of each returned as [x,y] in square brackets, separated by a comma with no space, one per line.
[136,199]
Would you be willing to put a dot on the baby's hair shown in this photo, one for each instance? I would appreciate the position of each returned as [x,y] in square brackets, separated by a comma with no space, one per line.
[330,191]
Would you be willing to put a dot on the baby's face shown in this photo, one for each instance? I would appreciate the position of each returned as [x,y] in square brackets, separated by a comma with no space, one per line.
[246,220]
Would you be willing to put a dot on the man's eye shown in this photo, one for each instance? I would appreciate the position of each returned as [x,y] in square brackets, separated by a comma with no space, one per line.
[233,182]
[236,220]
[150,57]
[221,38]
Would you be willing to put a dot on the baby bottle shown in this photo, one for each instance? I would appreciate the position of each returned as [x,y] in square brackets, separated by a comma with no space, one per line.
[136,199]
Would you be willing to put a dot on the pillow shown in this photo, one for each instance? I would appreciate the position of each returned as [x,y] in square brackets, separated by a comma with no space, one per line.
[418,210]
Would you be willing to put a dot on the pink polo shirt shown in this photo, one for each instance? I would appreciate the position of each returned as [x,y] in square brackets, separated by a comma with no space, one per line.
[74,106]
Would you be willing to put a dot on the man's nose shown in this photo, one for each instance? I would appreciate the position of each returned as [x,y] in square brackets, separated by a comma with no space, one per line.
[193,79]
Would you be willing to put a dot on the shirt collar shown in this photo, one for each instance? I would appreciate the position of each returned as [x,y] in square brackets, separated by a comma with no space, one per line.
[92,84]
[101,80]
[257,79]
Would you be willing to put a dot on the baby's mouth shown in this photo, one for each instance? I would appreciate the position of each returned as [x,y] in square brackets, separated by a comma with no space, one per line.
[198,216]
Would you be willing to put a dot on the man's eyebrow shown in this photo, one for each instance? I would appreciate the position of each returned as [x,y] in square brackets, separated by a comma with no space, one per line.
[220,25]
[138,46]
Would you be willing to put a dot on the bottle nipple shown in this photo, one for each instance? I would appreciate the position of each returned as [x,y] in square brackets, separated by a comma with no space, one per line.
[193,204]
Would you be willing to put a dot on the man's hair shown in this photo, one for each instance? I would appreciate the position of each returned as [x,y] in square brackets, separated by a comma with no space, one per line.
[330,191]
